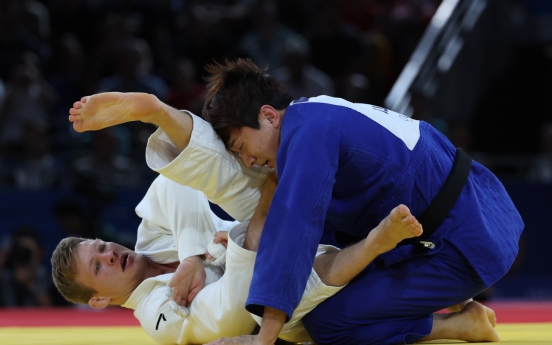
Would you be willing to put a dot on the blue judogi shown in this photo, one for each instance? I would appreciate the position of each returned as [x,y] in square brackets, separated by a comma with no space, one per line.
[342,168]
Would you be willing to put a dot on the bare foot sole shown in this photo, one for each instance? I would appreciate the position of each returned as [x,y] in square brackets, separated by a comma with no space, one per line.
[108,109]
[400,224]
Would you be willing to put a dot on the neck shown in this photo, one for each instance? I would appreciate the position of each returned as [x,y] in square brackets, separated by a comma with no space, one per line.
[155,269]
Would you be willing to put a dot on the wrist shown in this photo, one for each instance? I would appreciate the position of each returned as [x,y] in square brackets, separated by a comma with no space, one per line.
[273,321]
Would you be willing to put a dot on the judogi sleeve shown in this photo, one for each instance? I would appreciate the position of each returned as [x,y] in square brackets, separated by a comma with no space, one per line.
[176,218]
[207,166]
[217,311]
[307,163]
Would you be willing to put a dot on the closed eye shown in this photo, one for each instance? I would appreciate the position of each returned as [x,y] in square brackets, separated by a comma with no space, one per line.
[97,267]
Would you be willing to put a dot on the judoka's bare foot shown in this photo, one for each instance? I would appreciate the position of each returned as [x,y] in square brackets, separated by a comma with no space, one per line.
[490,315]
[472,324]
[108,109]
[400,224]
[460,306]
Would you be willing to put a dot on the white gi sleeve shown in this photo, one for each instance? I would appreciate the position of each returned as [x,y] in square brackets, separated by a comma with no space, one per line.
[175,218]
[207,166]
[217,311]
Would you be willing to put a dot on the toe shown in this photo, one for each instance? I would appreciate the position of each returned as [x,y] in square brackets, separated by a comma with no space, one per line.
[78,126]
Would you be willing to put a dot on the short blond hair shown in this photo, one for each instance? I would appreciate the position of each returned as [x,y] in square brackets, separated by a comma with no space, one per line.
[64,272]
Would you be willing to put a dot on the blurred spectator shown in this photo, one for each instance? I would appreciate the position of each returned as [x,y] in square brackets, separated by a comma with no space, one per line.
[357,88]
[461,135]
[541,167]
[28,98]
[24,280]
[335,46]
[378,65]
[16,36]
[68,76]
[38,169]
[421,111]
[299,76]
[73,220]
[201,40]
[265,43]
[134,71]
[185,92]
[101,173]
[37,19]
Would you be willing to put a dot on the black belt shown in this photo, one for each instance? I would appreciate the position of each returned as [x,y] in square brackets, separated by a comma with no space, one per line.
[439,208]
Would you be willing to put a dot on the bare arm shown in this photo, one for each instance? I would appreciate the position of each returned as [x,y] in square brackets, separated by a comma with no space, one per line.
[256,224]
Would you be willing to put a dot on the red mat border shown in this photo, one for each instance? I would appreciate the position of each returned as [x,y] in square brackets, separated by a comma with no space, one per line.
[506,312]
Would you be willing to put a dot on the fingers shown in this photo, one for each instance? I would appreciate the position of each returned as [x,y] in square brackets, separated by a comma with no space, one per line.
[193,294]
[177,295]
[221,237]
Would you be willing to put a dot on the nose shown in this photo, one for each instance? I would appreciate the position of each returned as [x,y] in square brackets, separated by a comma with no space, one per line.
[110,258]
[248,160]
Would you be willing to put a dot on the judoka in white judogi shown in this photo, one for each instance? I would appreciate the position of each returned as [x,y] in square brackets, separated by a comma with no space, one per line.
[178,223]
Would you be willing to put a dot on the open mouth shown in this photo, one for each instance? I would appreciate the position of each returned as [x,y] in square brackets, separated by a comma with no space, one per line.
[124,261]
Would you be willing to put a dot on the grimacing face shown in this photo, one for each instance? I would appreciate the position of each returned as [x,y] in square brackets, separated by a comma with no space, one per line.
[112,270]
[258,146]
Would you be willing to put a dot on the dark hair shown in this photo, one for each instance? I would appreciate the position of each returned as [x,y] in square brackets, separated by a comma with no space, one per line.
[236,91]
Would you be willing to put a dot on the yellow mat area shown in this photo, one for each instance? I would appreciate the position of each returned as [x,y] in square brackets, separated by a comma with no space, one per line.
[512,334]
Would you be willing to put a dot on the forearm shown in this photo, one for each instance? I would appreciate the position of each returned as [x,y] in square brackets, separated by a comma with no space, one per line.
[273,321]
[255,229]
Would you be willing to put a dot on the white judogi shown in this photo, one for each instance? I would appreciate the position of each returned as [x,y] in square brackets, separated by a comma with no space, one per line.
[178,223]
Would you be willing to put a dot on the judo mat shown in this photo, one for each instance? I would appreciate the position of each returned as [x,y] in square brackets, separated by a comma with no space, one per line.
[519,323]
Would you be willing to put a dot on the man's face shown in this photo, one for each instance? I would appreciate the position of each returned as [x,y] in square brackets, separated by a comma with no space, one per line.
[257,146]
[109,268]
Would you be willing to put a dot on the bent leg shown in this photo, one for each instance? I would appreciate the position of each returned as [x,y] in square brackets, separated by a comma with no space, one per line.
[338,267]
[109,109]
[394,304]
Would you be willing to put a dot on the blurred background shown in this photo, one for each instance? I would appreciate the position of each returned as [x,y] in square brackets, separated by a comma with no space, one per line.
[480,71]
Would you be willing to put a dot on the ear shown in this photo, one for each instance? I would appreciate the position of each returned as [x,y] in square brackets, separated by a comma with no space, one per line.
[99,302]
[272,115]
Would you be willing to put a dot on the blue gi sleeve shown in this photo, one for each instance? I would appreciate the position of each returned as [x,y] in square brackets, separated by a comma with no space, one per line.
[307,162]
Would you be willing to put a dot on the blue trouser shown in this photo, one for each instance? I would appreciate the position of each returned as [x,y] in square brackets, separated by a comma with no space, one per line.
[394,304]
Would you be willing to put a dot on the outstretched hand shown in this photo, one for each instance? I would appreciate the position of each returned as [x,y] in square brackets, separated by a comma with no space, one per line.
[187,281]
